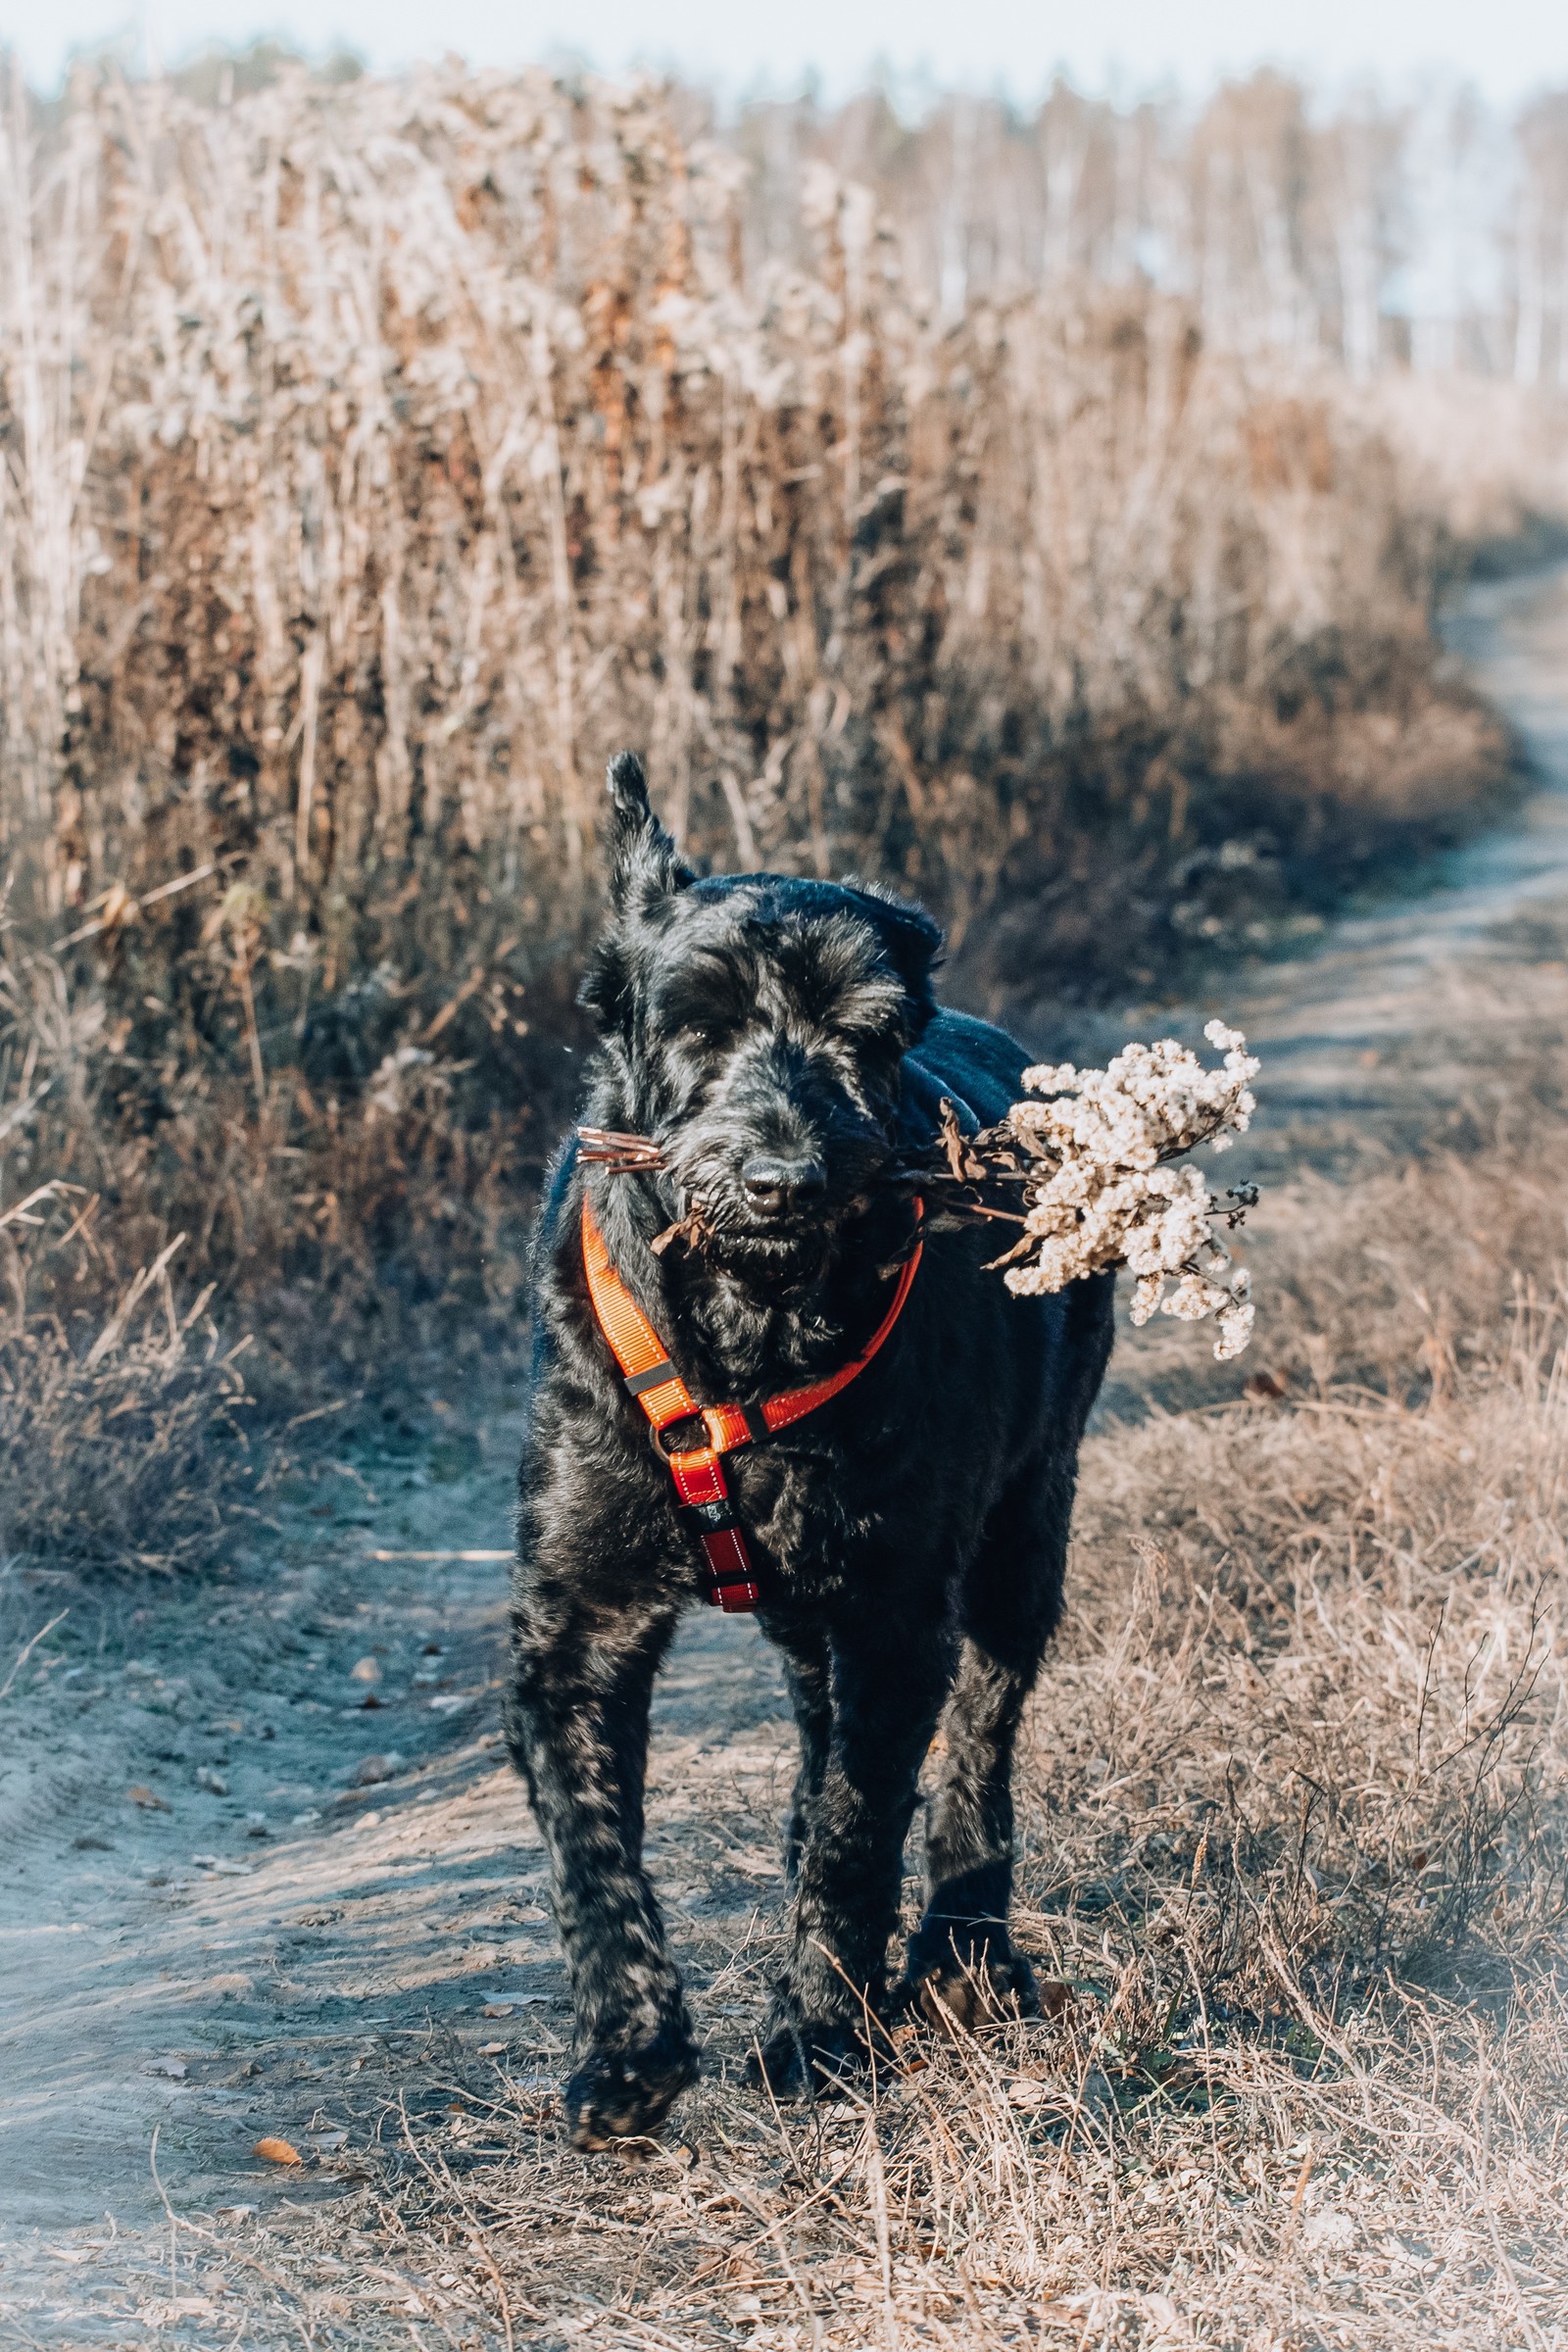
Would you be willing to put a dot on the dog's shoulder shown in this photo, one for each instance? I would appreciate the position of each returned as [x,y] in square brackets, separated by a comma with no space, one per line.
[555,1259]
[558,1202]
[976,1067]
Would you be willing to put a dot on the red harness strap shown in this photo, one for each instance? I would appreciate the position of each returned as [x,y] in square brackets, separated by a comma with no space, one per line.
[699,1470]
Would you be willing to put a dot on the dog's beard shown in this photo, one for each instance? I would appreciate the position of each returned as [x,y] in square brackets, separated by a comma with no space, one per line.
[773,1260]
[773,1253]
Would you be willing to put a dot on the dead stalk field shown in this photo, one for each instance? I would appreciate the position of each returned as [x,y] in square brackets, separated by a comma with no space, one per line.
[1292,1827]
[377,458]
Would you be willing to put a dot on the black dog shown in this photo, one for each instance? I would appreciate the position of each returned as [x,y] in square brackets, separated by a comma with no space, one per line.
[778,1040]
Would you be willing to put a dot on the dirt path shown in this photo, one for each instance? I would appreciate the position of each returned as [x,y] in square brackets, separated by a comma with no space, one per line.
[247,1894]
[264,1867]
[1412,973]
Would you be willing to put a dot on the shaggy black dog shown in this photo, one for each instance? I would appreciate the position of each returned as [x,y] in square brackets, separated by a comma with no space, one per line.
[779,1040]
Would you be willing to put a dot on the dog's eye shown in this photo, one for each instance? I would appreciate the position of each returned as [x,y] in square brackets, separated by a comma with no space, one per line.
[714,1028]
[704,1003]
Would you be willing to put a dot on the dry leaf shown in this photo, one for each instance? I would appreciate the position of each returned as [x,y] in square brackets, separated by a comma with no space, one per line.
[277,2151]
[491,2049]
[119,908]
[146,1799]
[365,1670]
[1330,2233]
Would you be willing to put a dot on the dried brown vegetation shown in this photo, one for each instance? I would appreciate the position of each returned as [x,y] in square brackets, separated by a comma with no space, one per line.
[1295,1872]
[378,457]
[125,1453]
[1294,1869]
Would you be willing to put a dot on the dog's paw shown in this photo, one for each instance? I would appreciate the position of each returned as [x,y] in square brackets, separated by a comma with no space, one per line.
[802,2058]
[964,1976]
[621,2093]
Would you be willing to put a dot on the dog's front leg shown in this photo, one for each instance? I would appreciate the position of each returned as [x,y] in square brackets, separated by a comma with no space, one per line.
[962,1967]
[582,1684]
[886,1695]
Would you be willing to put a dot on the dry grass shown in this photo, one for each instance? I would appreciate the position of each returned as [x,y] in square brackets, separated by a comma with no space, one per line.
[1293,1867]
[122,1405]
[380,455]
[1417,1279]
[438,440]
[128,1452]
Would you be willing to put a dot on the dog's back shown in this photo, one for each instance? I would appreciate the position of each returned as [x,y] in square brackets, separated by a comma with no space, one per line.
[978,1067]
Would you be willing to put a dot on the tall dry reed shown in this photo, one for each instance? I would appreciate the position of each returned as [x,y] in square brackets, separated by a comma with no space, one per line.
[382,455]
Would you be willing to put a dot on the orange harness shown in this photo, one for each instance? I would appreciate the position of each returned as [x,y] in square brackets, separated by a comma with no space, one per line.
[699,1470]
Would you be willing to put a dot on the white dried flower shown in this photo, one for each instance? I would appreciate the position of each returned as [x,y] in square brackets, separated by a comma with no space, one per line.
[1101,1190]
[1235,1330]
[385,1092]
[1146,1296]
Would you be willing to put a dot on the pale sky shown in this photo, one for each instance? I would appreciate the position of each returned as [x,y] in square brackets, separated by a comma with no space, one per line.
[1507,48]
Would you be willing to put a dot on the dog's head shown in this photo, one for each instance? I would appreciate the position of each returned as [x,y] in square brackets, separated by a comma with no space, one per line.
[759,1022]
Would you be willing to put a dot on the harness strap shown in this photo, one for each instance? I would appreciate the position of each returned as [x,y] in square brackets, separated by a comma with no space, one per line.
[699,1470]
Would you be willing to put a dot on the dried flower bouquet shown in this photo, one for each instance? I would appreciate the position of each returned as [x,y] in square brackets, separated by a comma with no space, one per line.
[1088,1157]
[1093,1153]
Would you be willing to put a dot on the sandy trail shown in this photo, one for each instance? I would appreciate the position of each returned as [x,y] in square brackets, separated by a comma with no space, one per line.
[1417,971]
[214,1924]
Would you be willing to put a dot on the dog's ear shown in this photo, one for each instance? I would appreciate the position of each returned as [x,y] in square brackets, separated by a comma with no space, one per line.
[645,866]
[912,942]
[644,863]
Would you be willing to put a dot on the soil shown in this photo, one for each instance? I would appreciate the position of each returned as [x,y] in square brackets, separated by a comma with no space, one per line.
[267,1871]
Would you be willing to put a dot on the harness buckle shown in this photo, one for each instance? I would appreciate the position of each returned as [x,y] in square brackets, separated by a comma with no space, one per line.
[696,1437]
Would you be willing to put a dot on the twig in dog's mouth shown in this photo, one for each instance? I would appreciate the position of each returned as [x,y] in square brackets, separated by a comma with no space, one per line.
[1081,1165]
[691,1231]
[949,1179]
[621,1153]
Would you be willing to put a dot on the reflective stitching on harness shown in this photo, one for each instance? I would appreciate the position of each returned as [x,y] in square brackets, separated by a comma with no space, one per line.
[698,1471]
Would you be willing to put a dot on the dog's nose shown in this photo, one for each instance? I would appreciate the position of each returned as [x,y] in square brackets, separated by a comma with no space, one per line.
[775,1185]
